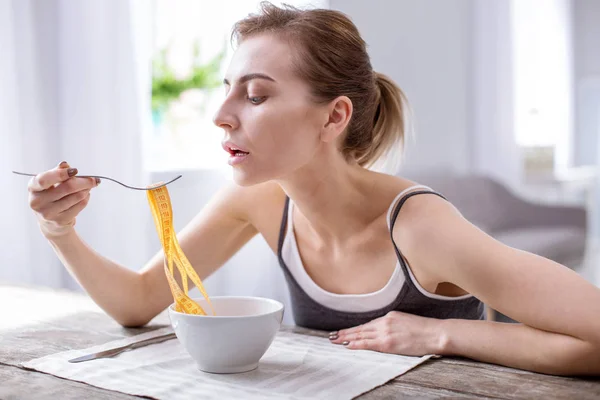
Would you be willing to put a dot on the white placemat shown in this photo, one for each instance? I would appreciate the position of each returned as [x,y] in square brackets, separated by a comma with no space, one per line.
[295,367]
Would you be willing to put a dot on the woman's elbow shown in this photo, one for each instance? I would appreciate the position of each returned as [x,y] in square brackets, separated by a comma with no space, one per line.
[132,322]
[134,318]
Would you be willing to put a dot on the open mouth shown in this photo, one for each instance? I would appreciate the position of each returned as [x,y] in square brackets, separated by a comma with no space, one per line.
[237,153]
[234,150]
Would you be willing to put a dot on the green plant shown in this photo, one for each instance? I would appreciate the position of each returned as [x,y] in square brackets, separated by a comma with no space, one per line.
[166,86]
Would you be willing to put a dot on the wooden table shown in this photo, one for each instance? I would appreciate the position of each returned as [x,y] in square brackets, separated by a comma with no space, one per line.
[35,322]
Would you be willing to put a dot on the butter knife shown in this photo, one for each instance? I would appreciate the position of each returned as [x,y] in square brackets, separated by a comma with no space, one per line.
[118,350]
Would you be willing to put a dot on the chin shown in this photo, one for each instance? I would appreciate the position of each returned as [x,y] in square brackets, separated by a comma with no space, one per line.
[244,176]
[245,179]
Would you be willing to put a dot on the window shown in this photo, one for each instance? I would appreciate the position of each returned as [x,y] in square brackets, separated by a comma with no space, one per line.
[183,135]
[543,80]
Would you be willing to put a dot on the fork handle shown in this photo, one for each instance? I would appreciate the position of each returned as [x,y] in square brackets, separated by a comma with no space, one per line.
[114,180]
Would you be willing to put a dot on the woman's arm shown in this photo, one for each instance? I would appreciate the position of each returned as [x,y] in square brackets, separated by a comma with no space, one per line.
[559,310]
[134,298]
[520,346]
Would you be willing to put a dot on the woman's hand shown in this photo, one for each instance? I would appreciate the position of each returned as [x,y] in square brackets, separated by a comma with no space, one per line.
[397,333]
[57,198]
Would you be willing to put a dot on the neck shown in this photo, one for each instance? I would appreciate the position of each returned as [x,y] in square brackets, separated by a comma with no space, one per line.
[334,196]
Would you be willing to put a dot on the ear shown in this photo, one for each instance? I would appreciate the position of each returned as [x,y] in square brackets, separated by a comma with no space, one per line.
[339,114]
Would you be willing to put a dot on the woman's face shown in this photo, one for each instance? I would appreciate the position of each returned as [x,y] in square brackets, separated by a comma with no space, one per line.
[267,113]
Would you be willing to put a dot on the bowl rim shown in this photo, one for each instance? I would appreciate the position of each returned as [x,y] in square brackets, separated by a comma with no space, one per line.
[280,307]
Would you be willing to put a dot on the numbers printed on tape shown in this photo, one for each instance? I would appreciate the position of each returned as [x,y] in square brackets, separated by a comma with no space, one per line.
[162,212]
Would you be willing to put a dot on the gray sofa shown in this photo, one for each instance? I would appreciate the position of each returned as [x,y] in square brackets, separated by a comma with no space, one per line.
[555,232]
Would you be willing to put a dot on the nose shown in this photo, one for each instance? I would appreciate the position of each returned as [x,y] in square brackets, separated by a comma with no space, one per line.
[225,117]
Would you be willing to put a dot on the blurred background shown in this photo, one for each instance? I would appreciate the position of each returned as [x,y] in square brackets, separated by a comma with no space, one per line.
[506,116]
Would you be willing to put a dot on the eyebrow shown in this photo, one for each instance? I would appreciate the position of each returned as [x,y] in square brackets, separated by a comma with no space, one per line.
[249,77]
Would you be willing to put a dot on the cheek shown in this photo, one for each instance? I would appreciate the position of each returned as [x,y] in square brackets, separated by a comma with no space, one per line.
[288,132]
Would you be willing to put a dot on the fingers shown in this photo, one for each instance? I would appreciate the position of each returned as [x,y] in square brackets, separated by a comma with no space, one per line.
[366,344]
[51,211]
[358,339]
[353,334]
[70,213]
[58,196]
[48,179]
[385,334]
[364,337]
[67,188]
[42,199]
[369,326]
[353,337]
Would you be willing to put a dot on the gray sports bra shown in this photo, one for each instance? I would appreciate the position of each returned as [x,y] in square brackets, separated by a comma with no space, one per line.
[411,298]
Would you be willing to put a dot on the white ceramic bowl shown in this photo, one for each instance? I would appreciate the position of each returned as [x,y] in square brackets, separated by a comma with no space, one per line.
[235,339]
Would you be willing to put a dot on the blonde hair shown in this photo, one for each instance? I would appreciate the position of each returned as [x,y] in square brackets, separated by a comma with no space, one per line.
[332,58]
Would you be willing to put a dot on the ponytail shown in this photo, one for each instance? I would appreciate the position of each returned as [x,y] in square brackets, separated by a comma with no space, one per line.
[388,132]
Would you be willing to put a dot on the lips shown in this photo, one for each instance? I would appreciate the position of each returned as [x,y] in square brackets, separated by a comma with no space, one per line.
[234,150]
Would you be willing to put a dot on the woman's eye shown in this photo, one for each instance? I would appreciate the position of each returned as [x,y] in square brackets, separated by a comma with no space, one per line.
[256,99]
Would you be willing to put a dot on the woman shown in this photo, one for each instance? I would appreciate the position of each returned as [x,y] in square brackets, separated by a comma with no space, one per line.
[386,264]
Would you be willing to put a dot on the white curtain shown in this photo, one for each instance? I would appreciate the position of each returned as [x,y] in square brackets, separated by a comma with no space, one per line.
[71,91]
[28,121]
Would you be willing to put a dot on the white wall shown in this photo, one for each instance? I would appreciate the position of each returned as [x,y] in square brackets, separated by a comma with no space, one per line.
[453,60]
[586,35]
[586,14]
[493,147]
[424,47]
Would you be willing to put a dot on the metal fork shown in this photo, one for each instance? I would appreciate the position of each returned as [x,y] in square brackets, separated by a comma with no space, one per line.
[111,179]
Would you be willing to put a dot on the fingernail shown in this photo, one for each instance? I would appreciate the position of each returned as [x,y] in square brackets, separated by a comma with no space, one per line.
[345,343]
[63,164]
[333,337]
[98,181]
[334,333]
[72,171]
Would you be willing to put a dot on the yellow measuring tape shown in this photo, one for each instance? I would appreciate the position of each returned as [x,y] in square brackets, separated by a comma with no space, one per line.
[160,205]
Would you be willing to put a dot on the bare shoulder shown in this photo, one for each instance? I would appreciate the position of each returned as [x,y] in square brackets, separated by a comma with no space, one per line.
[425,210]
[389,187]
[426,228]
[423,214]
